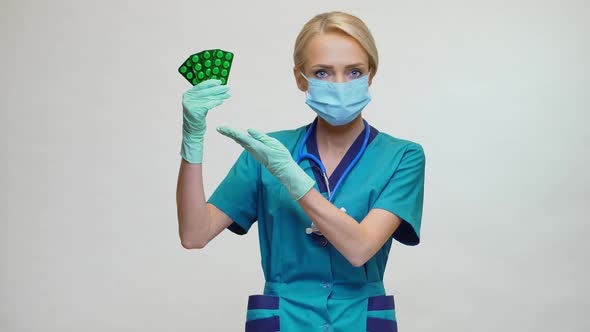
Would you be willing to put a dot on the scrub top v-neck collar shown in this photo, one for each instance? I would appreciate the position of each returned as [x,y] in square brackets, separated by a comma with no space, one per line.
[312,147]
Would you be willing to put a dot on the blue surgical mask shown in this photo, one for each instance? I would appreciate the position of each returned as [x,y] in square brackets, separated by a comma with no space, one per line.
[338,103]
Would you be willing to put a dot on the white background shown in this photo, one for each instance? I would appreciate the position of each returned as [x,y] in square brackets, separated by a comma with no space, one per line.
[497,93]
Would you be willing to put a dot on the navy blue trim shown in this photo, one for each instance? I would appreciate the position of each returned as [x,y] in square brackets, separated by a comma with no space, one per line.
[263,302]
[405,234]
[236,228]
[270,324]
[381,302]
[312,148]
[381,325]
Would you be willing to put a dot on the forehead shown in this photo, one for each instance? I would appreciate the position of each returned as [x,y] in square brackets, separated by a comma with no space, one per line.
[335,49]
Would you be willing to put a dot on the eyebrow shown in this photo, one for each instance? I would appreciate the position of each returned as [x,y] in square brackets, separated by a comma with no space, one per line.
[328,66]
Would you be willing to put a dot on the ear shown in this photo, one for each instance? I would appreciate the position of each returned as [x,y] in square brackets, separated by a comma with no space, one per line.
[301,81]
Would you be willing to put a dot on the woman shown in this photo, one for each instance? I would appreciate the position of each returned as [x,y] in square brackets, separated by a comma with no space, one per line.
[329,197]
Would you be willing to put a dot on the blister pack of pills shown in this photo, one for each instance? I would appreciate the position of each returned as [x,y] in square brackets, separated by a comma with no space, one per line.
[205,65]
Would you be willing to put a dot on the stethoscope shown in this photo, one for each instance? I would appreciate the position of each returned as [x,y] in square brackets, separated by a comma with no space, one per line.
[331,194]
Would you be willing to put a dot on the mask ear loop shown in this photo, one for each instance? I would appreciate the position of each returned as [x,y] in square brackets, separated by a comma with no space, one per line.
[307,79]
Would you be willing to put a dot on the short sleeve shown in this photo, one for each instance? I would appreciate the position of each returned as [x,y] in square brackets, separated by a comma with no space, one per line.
[404,194]
[237,194]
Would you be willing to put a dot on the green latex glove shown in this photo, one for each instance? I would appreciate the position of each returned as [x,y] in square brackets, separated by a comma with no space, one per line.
[196,102]
[273,155]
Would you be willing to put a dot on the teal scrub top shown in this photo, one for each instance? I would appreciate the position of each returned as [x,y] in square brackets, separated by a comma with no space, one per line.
[309,285]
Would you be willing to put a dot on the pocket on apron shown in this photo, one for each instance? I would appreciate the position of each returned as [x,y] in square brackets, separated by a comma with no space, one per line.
[381,314]
[263,314]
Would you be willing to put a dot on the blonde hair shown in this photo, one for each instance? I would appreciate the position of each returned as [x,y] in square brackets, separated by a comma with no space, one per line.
[336,22]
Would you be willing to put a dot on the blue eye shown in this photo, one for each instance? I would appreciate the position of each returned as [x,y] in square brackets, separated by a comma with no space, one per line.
[321,74]
[355,73]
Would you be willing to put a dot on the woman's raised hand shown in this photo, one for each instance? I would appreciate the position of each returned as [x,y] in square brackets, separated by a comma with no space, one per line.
[196,102]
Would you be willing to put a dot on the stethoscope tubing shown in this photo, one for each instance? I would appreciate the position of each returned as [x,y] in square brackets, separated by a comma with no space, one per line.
[303,156]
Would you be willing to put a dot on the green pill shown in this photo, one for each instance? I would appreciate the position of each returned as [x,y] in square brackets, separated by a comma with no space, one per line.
[195,81]
[219,54]
[189,63]
[226,64]
[217,62]
[222,80]
[183,69]
[215,71]
[207,63]
[213,77]
[200,75]
[189,75]
[224,72]
[206,55]
[198,66]
[228,56]
[208,72]
[195,58]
